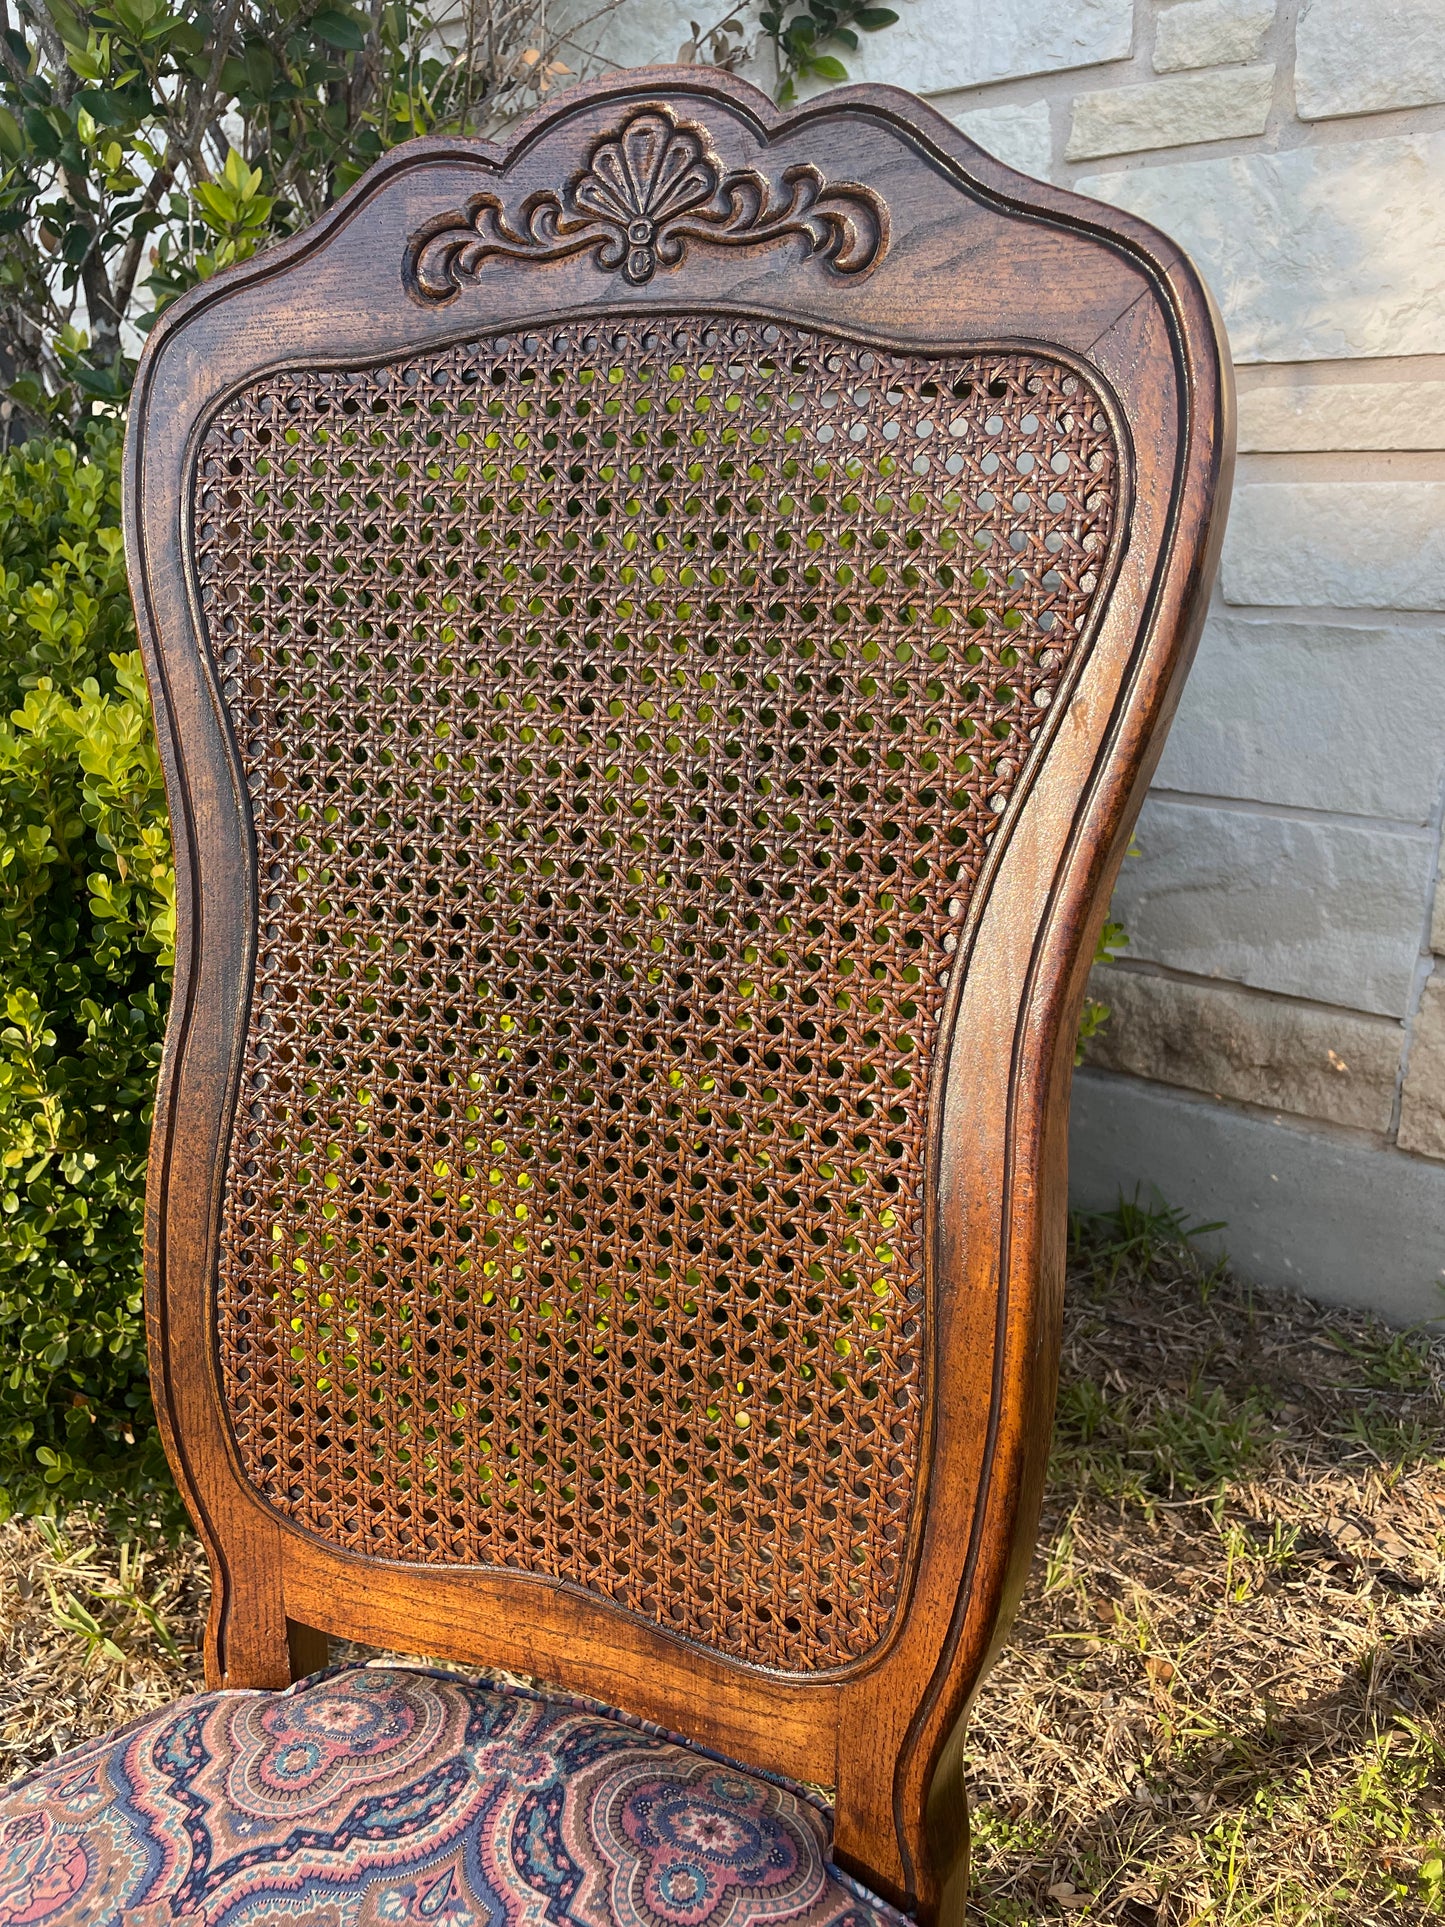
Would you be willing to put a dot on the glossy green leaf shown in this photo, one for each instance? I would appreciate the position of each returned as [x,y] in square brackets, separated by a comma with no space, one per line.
[41,134]
[338,29]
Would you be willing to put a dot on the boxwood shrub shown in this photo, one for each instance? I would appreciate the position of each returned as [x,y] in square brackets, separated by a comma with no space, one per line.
[87,917]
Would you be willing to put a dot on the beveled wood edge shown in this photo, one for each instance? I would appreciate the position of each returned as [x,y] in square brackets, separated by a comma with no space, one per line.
[1032,1296]
[1168,271]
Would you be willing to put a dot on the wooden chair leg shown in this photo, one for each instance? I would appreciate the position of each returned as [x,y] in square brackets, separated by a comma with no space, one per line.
[948,1832]
[248,1637]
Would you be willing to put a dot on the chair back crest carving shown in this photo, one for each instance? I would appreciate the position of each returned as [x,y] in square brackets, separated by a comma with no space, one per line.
[649,188]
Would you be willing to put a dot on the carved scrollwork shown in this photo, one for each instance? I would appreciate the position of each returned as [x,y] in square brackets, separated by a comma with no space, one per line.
[647,191]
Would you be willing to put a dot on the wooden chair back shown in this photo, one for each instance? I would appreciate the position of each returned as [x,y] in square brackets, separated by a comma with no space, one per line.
[658,634]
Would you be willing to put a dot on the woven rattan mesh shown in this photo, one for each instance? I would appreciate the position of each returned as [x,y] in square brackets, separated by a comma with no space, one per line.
[626,714]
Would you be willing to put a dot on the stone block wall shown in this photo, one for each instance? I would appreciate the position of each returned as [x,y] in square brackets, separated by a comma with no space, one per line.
[1276,1059]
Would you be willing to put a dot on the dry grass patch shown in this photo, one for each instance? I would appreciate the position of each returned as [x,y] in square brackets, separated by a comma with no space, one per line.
[1223,1698]
[93,1633]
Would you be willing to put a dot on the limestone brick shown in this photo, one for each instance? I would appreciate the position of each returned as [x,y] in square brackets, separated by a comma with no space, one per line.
[1422,1101]
[1210,33]
[1254,1049]
[1350,545]
[1189,108]
[1326,910]
[1323,716]
[935,46]
[1327,251]
[942,44]
[1018,133]
[1364,59]
[1342,414]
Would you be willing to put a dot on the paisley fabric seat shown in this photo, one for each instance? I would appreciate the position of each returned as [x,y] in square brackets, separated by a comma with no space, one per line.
[381,1794]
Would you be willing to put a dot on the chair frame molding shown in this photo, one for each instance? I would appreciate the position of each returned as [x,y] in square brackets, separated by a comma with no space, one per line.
[969,253]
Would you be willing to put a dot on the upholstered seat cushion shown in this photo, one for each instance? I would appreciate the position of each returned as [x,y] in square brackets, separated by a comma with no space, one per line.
[384,1794]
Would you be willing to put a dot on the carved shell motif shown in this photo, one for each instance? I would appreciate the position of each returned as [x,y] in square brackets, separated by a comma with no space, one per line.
[643,179]
[645,193]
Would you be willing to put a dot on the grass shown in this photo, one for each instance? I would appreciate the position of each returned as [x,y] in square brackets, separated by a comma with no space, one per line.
[1223,1699]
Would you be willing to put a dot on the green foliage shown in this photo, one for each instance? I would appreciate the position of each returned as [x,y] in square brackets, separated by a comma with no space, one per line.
[146,144]
[1135,1238]
[1182,1436]
[1403,1361]
[1193,1442]
[1392,1818]
[801,41]
[128,1616]
[1113,938]
[87,922]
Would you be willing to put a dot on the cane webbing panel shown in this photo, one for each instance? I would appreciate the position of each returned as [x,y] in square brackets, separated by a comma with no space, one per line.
[626,716]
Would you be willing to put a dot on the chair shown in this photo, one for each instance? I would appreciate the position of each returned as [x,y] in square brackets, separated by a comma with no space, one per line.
[658,636]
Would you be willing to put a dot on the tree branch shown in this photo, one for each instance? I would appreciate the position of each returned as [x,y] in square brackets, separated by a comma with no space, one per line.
[52,42]
[180,146]
[128,268]
[7,53]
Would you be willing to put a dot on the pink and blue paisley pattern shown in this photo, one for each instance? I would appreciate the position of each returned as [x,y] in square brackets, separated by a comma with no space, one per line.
[383,1796]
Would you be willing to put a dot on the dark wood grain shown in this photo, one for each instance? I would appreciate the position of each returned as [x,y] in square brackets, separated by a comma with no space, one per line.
[861,225]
